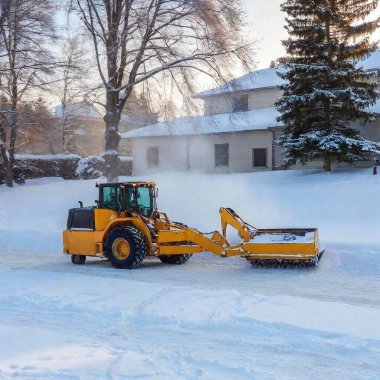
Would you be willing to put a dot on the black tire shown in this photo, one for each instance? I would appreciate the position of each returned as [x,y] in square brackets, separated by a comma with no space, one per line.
[78,259]
[175,259]
[137,247]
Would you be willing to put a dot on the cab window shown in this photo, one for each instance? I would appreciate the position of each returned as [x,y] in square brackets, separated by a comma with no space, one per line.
[111,198]
[144,199]
[139,200]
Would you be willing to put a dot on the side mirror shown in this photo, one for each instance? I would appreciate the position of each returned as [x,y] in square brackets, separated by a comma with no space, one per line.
[156,192]
[80,204]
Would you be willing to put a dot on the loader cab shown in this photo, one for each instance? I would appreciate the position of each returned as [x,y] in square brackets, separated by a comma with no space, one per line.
[138,197]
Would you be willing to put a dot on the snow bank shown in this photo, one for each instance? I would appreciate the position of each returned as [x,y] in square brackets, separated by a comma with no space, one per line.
[47,157]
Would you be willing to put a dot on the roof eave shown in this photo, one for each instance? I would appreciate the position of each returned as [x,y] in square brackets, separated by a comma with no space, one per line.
[200,96]
[205,133]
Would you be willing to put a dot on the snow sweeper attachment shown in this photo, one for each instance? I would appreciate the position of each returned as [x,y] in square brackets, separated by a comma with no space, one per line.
[297,248]
[125,227]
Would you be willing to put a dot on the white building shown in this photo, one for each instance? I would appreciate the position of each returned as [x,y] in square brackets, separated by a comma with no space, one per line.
[236,133]
[83,109]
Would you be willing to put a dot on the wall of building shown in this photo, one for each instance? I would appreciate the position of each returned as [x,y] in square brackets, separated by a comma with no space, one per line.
[197,153]
[370,131]
[264,98]
[218,104]
[172,154]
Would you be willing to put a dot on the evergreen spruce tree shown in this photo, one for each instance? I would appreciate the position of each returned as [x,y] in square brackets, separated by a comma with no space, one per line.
[326,88]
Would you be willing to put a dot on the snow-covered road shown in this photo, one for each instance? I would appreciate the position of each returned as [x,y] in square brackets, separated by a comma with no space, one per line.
[205,320]
[208,319]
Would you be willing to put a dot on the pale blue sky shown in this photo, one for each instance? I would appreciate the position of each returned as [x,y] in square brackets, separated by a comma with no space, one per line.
[266,25]
[266,22]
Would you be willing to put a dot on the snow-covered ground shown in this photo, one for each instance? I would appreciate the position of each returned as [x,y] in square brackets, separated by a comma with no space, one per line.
[210,318]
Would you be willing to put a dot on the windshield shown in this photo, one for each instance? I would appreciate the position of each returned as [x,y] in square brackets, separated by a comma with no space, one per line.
[132,198]
[140,200]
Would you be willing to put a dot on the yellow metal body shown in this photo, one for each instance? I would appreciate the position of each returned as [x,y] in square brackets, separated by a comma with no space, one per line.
[91,243]
[164,237]
[121,248]
[229,217]
[308,251]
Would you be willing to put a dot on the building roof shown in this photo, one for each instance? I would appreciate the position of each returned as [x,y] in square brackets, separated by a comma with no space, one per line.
[255,80]
[259,119]
[82,109]
[268,78]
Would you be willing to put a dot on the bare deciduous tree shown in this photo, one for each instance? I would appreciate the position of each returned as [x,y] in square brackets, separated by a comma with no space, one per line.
[71,75]
[26,27]
[4,11]
[135,40]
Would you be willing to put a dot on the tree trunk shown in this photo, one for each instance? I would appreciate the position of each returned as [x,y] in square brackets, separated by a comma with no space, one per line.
[3,152]
[112,137]
[8,166]
[9,171]
[9,175]
[327,162]
[63,127]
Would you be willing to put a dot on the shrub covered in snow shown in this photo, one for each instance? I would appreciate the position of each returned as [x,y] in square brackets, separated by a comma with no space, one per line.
[67,166]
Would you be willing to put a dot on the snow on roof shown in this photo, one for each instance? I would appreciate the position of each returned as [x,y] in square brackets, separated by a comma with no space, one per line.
[268,78]
[255,80]
[82,109]
[259,119]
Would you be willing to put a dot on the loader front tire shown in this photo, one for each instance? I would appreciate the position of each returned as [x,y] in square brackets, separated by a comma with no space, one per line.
[125,247]
[174,259]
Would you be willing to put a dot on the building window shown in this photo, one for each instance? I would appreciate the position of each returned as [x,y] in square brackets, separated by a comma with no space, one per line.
[259,157]
[240,103]
[221,155]
[153,157]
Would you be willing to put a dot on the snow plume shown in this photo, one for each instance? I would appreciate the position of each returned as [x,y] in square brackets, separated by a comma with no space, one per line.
[330,202]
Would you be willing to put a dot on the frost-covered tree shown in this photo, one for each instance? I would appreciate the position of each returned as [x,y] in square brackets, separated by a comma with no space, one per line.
[26,29]
[326,89]
[71,82]
[136,40]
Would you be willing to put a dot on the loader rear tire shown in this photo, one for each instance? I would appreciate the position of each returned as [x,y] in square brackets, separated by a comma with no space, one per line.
[78,259]
[175,259]
[125,247]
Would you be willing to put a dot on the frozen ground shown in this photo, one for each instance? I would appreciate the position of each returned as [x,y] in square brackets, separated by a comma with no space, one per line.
[208,319]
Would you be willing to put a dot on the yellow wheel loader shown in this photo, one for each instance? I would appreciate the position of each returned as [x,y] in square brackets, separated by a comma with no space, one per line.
[125,227]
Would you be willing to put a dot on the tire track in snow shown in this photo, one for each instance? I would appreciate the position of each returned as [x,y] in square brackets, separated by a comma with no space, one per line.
[319,284]
[203,350]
